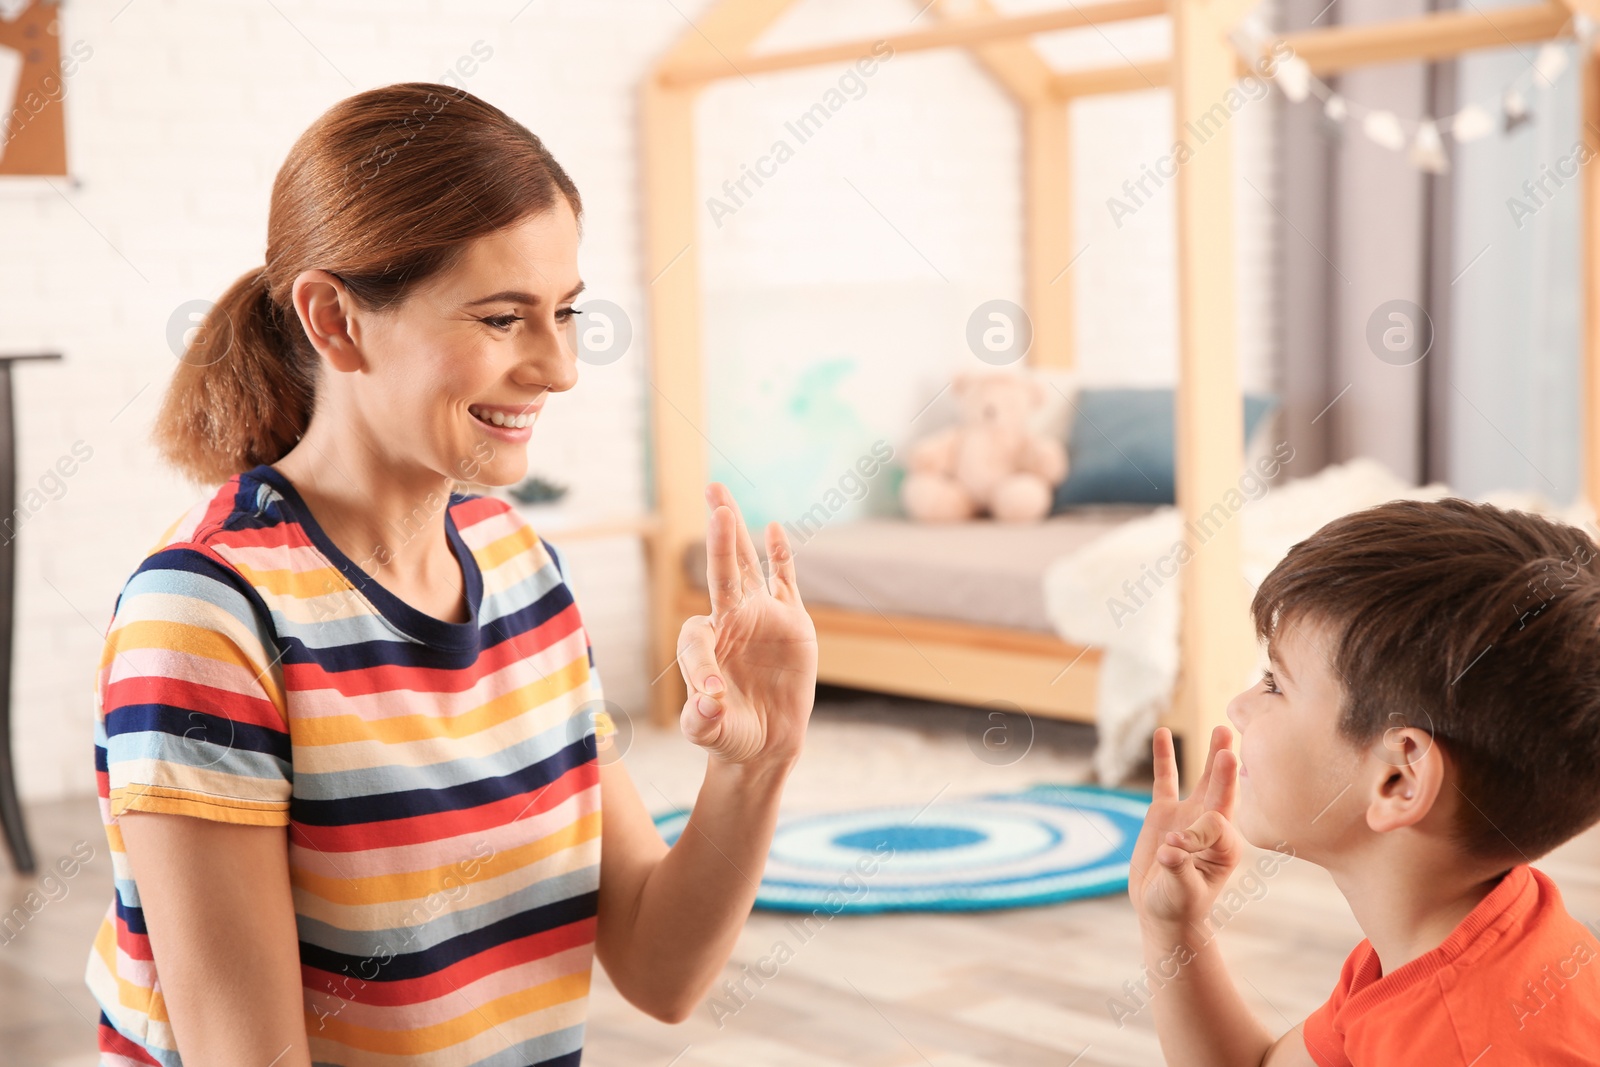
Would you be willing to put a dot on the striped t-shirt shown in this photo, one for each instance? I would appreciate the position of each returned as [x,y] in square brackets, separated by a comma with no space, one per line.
[438,780]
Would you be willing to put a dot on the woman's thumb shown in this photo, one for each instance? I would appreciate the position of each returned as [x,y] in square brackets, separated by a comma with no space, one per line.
[702,719]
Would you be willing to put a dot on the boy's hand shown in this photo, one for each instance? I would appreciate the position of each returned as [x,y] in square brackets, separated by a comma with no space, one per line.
[1187,848]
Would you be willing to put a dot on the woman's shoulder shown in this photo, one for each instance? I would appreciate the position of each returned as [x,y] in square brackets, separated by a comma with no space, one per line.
[194,555]
[240,504]
[493,527]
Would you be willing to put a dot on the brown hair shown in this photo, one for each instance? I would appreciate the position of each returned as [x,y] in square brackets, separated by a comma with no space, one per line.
[1479,625]
[383,191]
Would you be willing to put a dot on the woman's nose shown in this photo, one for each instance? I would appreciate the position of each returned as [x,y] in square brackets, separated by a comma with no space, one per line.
[562,373]
[552,364]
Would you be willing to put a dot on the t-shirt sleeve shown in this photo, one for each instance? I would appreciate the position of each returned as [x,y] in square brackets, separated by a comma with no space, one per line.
[191,700]
[594,703]
[1324,1044]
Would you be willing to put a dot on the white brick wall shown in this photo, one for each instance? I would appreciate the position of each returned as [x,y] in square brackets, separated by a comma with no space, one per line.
[180,119]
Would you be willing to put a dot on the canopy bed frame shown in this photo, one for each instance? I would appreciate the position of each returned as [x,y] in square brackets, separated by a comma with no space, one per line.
[960,662]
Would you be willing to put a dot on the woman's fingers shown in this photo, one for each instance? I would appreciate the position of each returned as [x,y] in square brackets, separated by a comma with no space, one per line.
[722,565]
[717,495]
[785,584]
[697,657]
[702,720]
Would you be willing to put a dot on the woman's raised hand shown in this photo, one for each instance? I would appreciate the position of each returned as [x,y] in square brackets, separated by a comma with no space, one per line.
[751,665]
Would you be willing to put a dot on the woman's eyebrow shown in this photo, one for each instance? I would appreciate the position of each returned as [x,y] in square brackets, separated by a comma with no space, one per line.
[516,296]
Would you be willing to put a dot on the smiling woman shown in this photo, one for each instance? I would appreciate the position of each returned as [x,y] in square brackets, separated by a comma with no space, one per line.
[385,193]
[354,808]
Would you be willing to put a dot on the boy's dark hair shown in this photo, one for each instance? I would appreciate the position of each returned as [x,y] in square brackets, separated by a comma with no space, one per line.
[1479,625]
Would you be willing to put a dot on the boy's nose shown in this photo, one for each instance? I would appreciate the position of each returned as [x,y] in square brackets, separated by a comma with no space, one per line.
[1236,711]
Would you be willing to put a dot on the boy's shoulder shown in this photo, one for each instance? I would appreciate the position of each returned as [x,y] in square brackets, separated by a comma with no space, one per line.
[1519,975]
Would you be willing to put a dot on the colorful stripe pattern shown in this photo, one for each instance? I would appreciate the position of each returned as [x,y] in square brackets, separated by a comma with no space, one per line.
[438,780]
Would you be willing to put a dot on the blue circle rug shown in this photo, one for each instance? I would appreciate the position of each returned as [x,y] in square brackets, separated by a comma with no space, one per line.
[1040,846]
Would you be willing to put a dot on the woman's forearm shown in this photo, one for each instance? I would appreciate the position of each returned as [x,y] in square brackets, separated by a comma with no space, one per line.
[694,902]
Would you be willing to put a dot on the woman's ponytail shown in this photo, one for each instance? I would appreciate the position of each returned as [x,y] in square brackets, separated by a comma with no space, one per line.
[243,389]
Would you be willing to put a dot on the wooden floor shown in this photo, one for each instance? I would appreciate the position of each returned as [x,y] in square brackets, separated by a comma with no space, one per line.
[1025,988]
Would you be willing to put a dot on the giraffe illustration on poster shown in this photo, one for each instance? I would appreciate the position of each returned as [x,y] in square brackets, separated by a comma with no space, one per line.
[32,127]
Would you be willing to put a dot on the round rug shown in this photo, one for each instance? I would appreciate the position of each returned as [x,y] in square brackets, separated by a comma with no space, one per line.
[1040,846]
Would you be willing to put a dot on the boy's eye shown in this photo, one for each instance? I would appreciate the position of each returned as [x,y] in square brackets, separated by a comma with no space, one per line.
[1270,682]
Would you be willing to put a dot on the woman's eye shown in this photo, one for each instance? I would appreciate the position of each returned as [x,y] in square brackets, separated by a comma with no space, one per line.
[565,314]
[502,322]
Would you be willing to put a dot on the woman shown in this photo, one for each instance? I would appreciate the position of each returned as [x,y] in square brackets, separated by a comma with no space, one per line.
[355,807]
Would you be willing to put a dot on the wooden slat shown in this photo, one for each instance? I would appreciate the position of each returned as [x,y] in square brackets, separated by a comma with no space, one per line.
[1330,51]
[676,389]
[917,629]
[643,526]
[968,32]
[672,292]
[1217,647]
[1428,37]
[946,660]
[1047,196]
[728,28]
[1590,254]
[959,674]
[1015,63]
[1047,189]
[1117,78]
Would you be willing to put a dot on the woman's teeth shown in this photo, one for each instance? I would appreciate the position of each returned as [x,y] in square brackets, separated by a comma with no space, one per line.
[500,418]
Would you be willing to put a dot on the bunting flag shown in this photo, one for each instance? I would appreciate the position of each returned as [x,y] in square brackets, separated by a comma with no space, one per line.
[1422,139]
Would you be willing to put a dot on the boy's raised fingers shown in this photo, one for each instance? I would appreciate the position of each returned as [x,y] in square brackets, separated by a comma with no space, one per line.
[1221,738]
[1224,784]
[1210,830]
[1165,765]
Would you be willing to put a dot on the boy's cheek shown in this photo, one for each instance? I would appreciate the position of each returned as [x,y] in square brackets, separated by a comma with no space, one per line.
[1257,791]
[1246,817]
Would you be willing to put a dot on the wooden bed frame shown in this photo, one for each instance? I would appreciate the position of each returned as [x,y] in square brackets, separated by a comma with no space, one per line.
[973,664]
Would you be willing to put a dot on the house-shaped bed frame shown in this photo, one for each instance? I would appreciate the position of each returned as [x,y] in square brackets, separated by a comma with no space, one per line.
[980,664]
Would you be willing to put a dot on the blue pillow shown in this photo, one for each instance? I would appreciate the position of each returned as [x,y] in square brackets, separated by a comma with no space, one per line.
[1120,447]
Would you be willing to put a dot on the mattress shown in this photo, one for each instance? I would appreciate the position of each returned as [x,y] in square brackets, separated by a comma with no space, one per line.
[988,573]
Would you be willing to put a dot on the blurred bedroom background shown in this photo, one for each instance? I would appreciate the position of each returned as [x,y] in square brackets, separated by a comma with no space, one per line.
[837,299]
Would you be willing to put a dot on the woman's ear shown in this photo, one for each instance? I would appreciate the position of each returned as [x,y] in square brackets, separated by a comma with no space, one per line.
[324,306]
[1409,772]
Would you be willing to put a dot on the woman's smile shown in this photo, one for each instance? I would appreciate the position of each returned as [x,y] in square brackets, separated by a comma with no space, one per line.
[509,422]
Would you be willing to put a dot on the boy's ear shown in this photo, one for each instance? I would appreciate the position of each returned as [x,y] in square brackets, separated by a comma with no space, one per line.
[1409,772]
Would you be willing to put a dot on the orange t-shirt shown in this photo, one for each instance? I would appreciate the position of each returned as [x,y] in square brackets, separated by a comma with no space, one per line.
[1517,982]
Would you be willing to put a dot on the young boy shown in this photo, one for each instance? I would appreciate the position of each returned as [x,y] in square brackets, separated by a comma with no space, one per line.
[1430,723]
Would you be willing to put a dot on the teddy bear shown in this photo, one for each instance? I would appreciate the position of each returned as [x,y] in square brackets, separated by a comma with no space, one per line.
[991,462]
